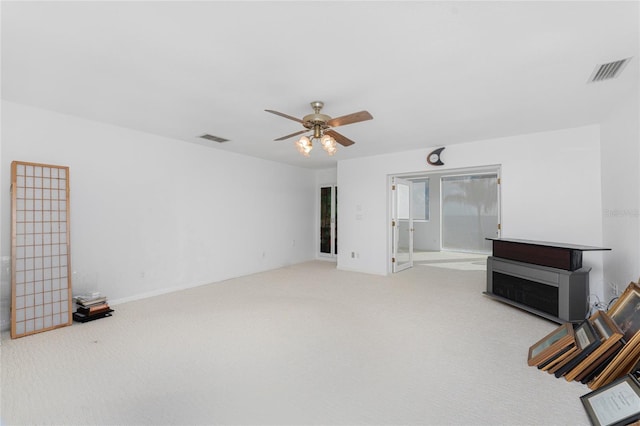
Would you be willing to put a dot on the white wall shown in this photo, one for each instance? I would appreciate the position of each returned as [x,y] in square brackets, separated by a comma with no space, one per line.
[550,191]
[621,194]
[327,176]
[150,214]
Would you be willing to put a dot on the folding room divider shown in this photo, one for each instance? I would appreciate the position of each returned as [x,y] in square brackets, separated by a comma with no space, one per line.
[40,249]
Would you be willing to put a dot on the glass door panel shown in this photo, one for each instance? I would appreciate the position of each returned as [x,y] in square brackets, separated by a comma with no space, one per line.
[469,212]
[402,225]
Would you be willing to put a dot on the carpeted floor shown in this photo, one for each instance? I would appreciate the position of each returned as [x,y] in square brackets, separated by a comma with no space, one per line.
[451,260]
[306,344]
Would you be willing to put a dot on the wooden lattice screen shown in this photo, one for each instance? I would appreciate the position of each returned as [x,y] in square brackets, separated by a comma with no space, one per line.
[40,250]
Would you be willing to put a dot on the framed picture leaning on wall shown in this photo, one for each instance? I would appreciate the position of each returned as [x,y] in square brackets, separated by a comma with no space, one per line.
[615,404]
[550,345]
[626,311]
[587,340]
[609,333]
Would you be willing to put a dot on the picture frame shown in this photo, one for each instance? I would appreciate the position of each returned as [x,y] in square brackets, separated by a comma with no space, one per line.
[587,339]
[604,324]
[599,364]
[625,312]
[602,336]
[561,359]
[635,371]
[551,344]
[623,363]
[609,333]
[615,404]
[572,363]
[557,358]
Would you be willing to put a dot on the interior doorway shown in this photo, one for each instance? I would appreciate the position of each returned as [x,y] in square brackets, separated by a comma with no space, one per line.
[328,223]
[451,213]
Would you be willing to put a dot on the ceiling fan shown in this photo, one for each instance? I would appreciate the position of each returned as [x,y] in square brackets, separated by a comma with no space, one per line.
[321,125]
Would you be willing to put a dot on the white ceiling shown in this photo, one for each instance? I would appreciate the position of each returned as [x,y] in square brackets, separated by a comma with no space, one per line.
[430,73]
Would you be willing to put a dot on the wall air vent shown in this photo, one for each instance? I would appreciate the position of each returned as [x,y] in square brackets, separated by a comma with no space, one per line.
[608,71]
[214,138]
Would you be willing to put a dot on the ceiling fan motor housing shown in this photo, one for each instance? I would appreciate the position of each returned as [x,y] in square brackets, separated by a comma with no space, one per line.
[310,121]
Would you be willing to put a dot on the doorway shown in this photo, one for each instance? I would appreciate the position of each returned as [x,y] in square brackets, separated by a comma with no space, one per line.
[451,213]
[328,223]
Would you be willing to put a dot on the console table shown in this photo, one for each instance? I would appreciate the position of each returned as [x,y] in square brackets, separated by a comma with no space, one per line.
[544,278]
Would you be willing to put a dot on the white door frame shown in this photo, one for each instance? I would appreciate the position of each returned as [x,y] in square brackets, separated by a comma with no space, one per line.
[399,224]
[493,168]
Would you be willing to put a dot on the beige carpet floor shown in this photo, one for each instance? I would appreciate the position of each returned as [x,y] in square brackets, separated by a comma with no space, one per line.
[451,260]
[306,344]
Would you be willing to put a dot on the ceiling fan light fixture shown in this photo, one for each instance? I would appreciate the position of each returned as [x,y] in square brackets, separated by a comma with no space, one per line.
[329,144]
[304,146]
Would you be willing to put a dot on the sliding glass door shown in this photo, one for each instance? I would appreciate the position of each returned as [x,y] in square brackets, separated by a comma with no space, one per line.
[469,212]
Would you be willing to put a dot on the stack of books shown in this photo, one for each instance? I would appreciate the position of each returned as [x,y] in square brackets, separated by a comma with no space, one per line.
[91,307]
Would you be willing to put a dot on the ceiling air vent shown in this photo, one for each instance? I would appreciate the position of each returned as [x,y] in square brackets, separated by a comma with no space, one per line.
[608,71]
[214,138]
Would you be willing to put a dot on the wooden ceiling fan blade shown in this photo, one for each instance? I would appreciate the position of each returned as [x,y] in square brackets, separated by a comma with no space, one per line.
[356,117]
[292,135]
[341,139]
[281,114]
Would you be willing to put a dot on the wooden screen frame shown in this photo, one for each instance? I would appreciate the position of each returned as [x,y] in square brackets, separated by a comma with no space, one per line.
[41,296]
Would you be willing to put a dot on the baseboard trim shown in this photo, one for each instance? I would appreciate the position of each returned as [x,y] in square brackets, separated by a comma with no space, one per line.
[154,293]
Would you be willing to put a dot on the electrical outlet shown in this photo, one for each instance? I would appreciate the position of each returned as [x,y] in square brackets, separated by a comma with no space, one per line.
[613,288]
